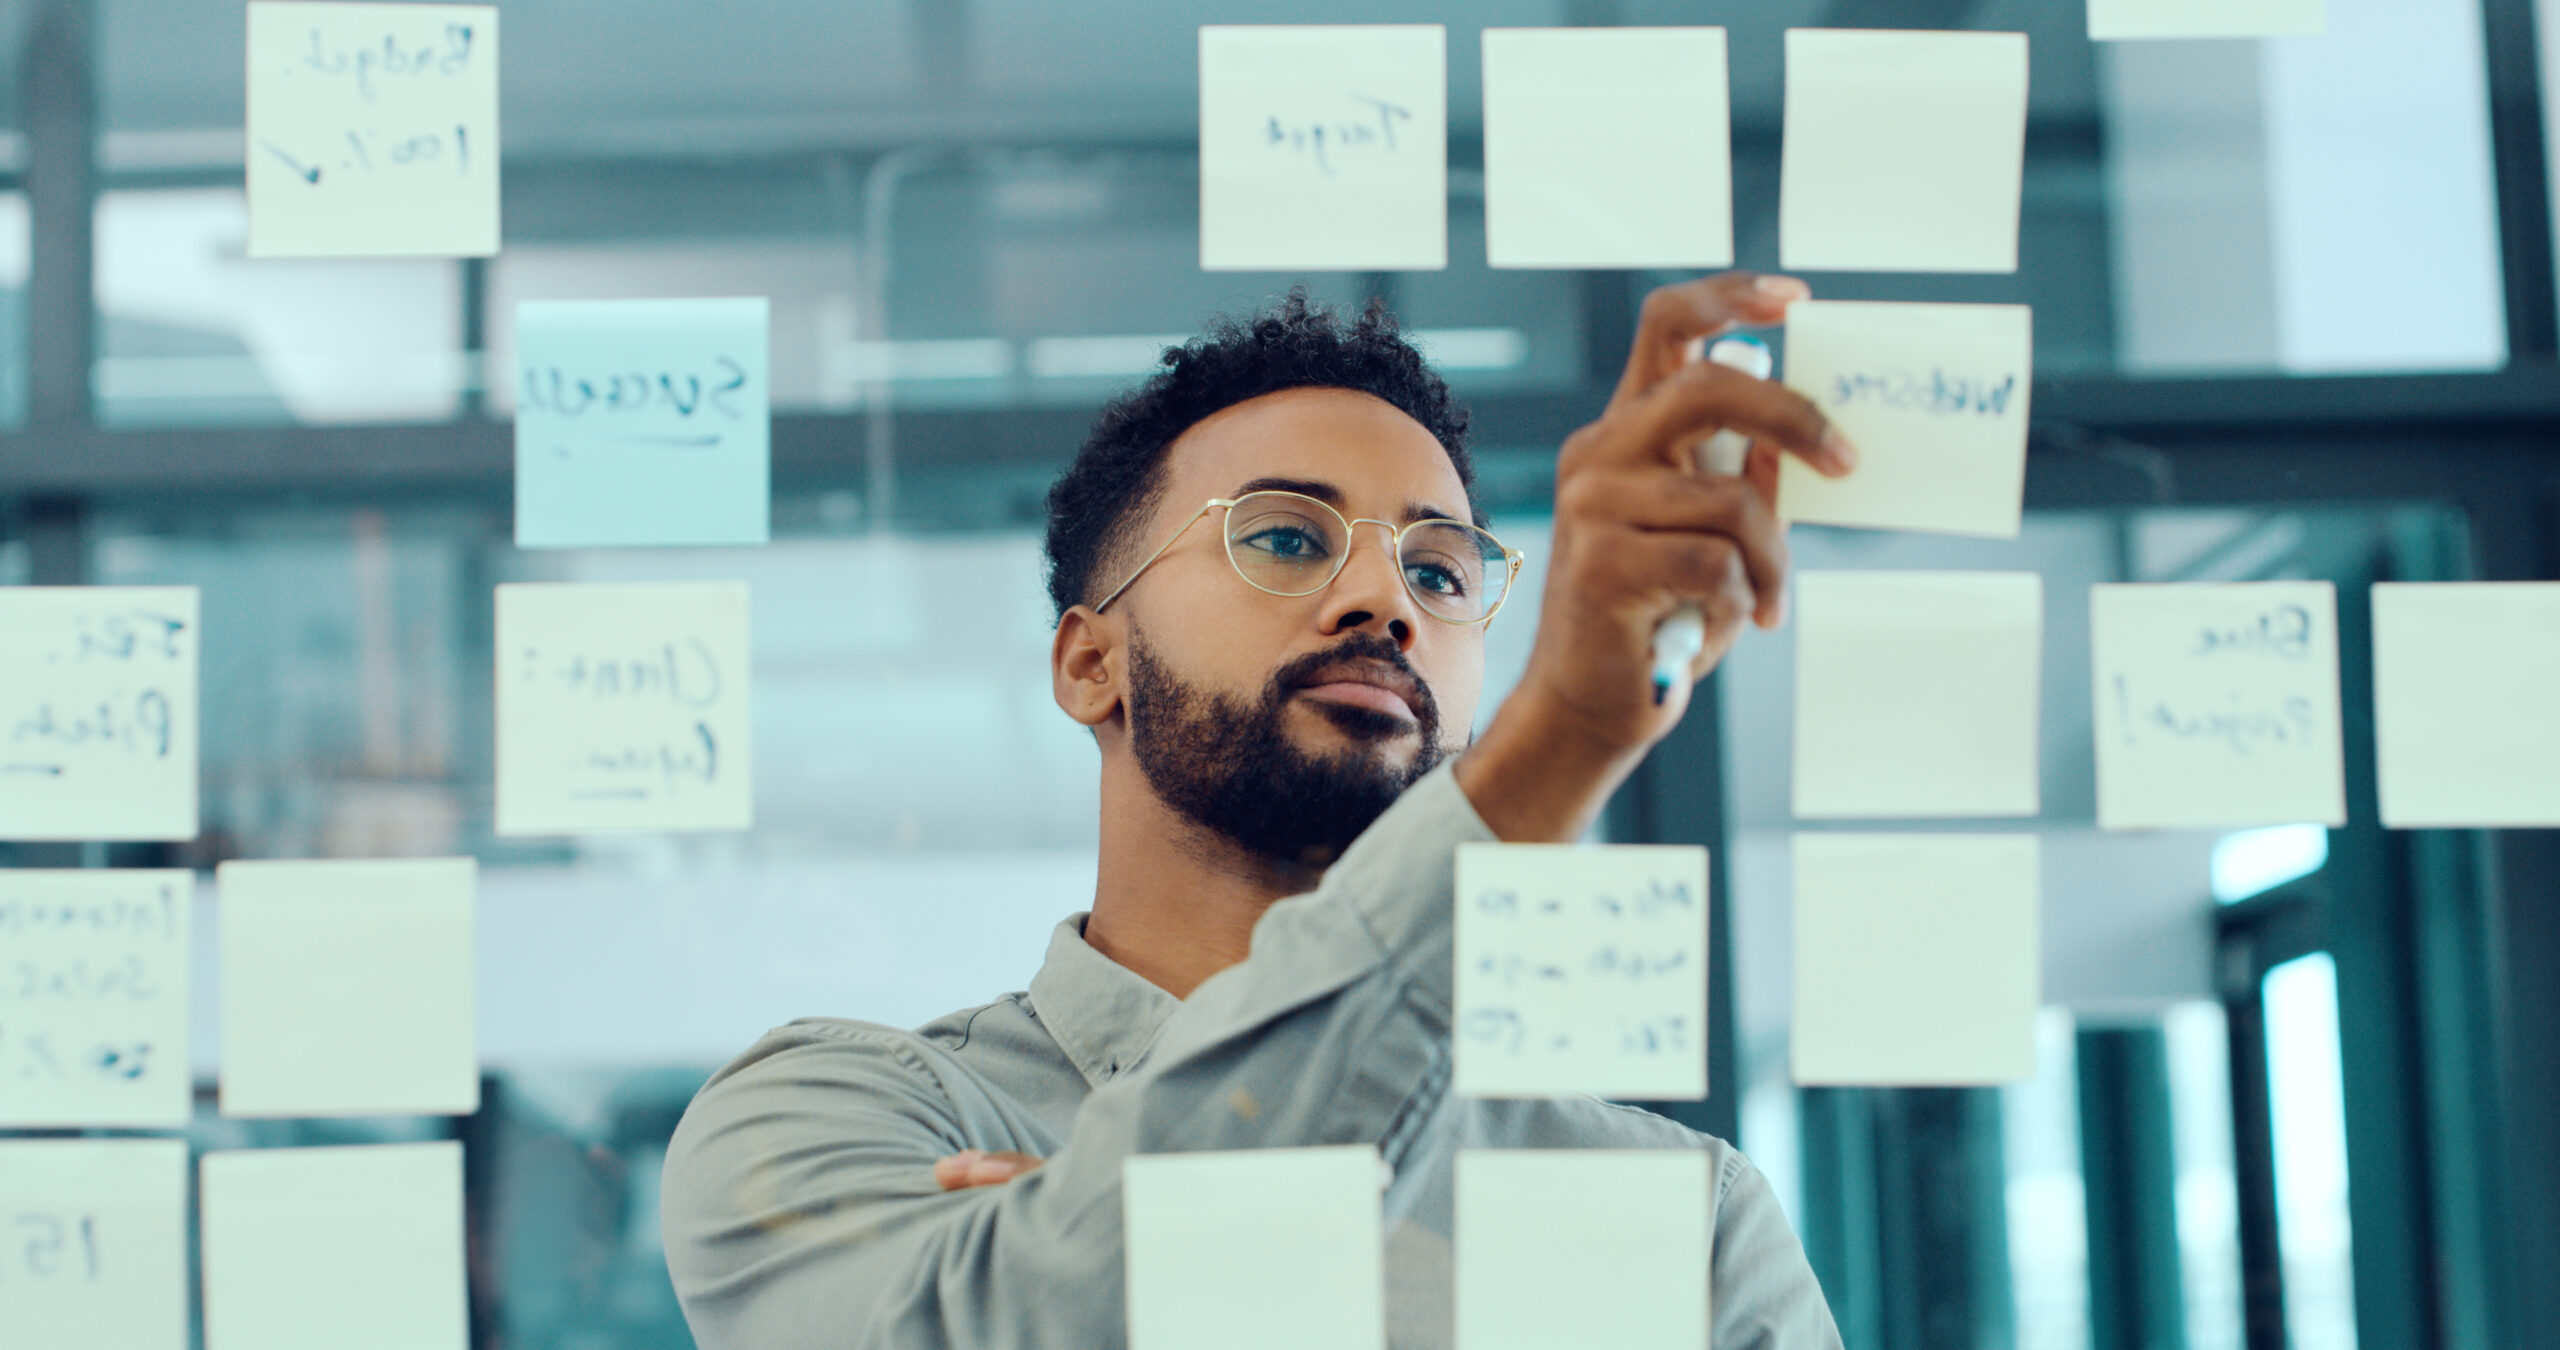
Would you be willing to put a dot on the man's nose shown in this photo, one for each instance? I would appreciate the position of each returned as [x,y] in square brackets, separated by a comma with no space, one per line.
[1370,591]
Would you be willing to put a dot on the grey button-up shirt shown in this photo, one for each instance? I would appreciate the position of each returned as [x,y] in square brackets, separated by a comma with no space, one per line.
[800,1208]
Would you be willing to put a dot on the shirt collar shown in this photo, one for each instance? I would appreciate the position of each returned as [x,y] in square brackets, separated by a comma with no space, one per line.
[1103,1014]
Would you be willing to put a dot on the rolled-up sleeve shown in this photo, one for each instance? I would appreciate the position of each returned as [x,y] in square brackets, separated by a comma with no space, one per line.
[800,1208]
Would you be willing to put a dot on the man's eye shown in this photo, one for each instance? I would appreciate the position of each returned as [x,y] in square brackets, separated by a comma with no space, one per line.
[1288,542]
[1436,579]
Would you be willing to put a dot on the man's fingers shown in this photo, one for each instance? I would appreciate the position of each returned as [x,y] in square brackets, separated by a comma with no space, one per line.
[1718,507]
[978,1167]
[1674,316]
[1710,571]
[1698,400]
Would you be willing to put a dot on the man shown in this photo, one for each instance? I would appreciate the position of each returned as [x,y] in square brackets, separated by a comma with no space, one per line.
[1272,595]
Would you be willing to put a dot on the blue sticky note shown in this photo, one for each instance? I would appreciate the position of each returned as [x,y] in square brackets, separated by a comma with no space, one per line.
[642,423]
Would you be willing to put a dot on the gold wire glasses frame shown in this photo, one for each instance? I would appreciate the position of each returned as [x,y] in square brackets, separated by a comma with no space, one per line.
[1430,604]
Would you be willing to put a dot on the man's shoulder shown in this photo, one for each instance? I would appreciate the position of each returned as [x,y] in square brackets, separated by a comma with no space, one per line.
[834,1046]
[1588,1122]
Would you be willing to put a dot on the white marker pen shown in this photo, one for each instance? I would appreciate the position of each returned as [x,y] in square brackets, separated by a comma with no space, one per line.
[1679,638]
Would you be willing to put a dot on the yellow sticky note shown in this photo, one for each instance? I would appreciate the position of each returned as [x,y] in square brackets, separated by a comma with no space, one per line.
[1261,1249]
[1581,970]
[1935,399]
[1607,147]
[623,707]
[2217,705]
[98,712]
[2111,19]
[1324,147]
[1916,958]
[96,1250]
[1903,151]
[373,130]
[1583,1247]
[2466,693]
[346,988]
[1916,693]
[94,971]
[327,1248]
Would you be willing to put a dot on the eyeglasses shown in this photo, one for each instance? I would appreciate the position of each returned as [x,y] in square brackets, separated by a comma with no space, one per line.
[1289,544]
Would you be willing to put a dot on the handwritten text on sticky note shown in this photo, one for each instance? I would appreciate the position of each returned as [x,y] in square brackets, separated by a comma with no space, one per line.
[642,423]
[325,1248]
[98,712]
[1916,693]
[373,130]
[2110,19]
[2217,705]
[1581,970]
[623,707]
[1916,958]
[1904,151]
[2466,721]
[1324,146]
[346,987]
[1581,167]
[1935,399]
[1260,1249]
[93,1244]
[93,998]
[1599,1246]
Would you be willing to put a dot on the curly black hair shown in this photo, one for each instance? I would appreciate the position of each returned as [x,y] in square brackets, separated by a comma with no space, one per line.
[1117,477]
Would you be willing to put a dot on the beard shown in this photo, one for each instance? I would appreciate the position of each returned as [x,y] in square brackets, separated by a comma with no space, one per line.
[1227,764]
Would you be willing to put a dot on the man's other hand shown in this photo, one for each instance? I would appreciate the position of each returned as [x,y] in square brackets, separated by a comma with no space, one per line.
[1640,532]
[977,1167]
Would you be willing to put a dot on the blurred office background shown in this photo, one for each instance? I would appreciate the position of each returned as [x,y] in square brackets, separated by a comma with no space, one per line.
[2294,309]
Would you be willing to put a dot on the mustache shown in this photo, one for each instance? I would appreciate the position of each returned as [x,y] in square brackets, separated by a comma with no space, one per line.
[1357,647]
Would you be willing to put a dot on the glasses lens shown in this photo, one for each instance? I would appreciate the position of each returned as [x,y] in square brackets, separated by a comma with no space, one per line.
[1455,570]
[1284,543]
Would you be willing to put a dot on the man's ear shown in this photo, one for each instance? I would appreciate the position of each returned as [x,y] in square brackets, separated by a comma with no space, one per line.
[1084,675]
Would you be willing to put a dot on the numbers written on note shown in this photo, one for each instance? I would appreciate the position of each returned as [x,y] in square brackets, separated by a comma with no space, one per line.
[358,71]
[49,1245]
[1581,970]
[622,707]
[97,712]
[2217,704]
[372,129]
[93,998]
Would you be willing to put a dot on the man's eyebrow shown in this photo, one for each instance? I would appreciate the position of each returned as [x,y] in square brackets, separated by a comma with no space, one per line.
[1332,496]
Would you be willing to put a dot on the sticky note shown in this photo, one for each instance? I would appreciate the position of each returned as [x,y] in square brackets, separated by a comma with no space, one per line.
[1935,399]
[326,1248]
[1581,970]
[346,988]
[1903,151]
[94,1252]
[373,130]
[1916,693]
[1324,147]
[2110,19]
[1262,1249]
[1601,1246]
[2217,705]
[1607,147]
[623,707]
[2466,693]
[98,712]
[93,999]
[642,423]
[1915,958]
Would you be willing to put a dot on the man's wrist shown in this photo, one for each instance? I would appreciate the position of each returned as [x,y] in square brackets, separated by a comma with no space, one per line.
[1538,775]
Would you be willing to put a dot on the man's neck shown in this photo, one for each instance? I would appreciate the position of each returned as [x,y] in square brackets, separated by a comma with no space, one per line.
[1172,901]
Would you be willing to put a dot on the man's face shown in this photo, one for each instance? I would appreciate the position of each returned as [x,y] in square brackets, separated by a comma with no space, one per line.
[1287,724]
